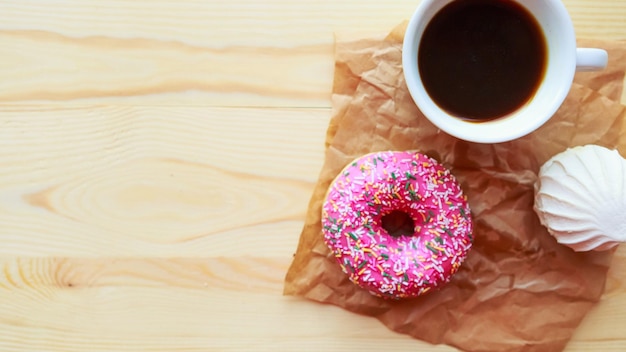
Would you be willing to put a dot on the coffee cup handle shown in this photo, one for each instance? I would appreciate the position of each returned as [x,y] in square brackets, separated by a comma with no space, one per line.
[589,59]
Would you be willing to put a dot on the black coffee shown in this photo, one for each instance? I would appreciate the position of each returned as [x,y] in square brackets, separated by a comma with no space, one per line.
[482,59]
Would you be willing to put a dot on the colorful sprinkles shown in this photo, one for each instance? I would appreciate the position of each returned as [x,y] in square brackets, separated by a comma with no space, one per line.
[374,186]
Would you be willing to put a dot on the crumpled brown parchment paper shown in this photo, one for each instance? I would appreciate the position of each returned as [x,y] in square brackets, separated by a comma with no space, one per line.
[518,290]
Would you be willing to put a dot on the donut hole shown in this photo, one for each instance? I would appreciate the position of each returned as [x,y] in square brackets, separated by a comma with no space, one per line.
[398,223]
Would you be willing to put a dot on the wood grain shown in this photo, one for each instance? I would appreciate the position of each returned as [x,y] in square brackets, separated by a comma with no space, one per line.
[125,181]
[156,163]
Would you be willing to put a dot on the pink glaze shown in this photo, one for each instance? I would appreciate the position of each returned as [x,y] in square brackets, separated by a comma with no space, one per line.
[406,266]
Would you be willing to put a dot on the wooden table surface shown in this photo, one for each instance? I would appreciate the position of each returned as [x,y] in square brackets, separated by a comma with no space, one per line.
[156,161]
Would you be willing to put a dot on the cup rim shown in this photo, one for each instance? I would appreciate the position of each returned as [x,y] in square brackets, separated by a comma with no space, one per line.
[505,128]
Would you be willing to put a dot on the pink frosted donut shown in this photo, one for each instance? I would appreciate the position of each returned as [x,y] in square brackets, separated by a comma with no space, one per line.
[370,202]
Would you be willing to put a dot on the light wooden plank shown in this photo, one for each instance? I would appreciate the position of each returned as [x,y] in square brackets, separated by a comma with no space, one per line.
[145,181]
[219,24]
[41,66]
[206,304]
[219,53]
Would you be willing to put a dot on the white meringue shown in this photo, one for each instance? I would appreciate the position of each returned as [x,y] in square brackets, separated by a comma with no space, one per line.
[580,196]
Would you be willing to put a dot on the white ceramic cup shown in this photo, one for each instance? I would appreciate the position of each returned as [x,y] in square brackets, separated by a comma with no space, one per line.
[563,60]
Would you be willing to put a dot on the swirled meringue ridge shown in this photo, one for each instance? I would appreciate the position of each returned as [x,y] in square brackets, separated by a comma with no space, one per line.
[580,197]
